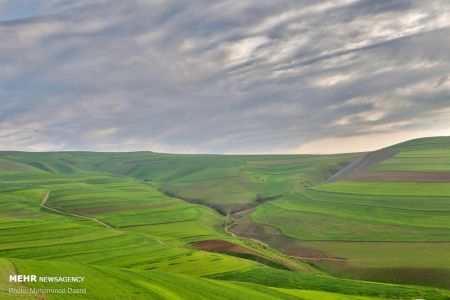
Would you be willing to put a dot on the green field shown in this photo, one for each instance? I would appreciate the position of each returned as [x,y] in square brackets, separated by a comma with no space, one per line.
[392,230]
[130,223]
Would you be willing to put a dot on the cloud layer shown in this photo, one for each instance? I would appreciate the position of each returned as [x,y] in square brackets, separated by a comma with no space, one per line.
[223,76]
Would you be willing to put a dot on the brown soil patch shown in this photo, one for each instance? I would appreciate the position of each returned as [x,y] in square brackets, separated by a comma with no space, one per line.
[220,246]
[402,176]
[264,233]
[274,238]
[298,250]
[125,169]
[7,166]
[19,213]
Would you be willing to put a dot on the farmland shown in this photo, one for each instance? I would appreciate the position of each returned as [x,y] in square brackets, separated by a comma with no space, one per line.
[396,229]
[152,225]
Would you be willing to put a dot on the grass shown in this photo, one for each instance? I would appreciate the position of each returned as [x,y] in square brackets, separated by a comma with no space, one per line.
[136,284]
[288,280]
[313,295]
[397,232]
[30,233]
[308,226]
[421,156]
[428,189]
[227,183]
[388,231]
[413,262]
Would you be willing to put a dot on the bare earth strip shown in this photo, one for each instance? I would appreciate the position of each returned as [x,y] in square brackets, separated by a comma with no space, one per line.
[228,230]
[220,245]
[246,229]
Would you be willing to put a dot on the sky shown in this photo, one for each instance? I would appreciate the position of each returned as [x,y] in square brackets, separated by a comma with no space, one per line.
[251,76]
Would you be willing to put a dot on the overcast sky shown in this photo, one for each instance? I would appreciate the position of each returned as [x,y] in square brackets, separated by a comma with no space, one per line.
[235,76]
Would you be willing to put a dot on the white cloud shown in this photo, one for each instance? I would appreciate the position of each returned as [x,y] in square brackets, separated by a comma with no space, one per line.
[253,77]
[245,49]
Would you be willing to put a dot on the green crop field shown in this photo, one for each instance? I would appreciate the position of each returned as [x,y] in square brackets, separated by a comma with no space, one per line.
[146,225]
[389,222]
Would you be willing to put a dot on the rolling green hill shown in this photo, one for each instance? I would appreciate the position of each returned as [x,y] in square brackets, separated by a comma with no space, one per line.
[163,226]
[386,221]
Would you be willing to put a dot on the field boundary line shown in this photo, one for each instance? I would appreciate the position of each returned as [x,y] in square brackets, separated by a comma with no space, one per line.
[44,205]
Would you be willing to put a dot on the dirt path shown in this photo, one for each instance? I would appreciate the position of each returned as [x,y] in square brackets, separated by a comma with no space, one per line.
[227,229]
[44,205]
[247,211]
[44,200]
[319,257]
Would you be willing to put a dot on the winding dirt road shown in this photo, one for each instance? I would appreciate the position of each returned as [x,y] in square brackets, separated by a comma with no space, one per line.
[304,258]
[44,205]
[241,237]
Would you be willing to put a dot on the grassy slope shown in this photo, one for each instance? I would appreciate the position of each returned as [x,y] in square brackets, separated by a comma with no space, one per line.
[227,183]
[116,283]
[152,231]
[391,231]
[28,232]
[289,280]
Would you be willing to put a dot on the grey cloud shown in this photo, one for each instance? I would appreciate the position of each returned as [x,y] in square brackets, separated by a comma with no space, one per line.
[220,76]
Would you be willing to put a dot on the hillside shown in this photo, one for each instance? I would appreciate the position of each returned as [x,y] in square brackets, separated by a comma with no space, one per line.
[159,222]
[380,219]
[423,155]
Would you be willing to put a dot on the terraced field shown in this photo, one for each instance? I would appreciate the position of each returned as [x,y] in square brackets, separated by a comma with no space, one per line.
[123,205]
[149,225]
[387,222]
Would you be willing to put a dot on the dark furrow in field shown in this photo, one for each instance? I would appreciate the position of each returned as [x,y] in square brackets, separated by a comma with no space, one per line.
[150,224]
